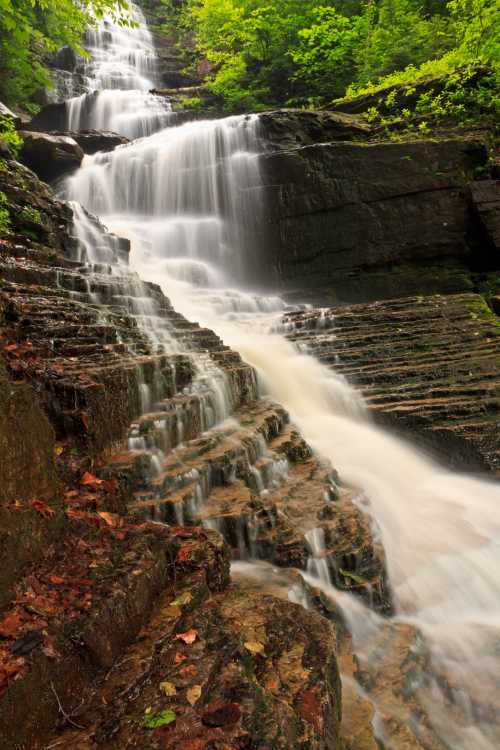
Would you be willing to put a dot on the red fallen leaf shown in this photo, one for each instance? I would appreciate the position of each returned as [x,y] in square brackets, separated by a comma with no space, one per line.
[110,518]
[56,580]
[42,508]
[50,650]
[85,420]
[179,658]
[89,478]
[184,554]
[310,709]
[188,671]
[188,637]
[10,624]
[220,714]
[11,347]
[71,493]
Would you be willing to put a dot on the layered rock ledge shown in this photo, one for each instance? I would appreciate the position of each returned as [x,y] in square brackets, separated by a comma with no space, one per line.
[428,365]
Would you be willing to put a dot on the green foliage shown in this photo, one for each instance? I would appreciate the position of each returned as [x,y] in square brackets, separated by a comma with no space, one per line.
[308,52]
[191,102]
[4,214]
[32,29]
[155,721]
[30,214]
[9,135]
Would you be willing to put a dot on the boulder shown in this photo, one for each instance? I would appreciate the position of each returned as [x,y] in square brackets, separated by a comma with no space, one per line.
[285,128]
[50,156]
[92,141]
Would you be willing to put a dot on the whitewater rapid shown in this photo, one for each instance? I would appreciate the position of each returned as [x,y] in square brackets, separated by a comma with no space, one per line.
[187,199]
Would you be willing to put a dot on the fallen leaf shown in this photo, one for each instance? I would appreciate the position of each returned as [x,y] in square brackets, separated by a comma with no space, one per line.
[154,721]
[49,650]
[42,508]
[188,637]
[220,714]
[89,478]
[58,450]
[181,600]
[110,518]
[10,624]
[168,688]
[188,671]
[254,647]
[193,694]
[85,420]
[184,554]
[310,709]
[179,658]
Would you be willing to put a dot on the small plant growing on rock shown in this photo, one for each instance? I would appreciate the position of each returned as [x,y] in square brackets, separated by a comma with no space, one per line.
[31,215]
[4,214]
[10,136]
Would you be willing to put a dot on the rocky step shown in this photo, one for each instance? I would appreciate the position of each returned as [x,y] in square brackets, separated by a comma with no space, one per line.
[216,666]
[301,514]
[428,365]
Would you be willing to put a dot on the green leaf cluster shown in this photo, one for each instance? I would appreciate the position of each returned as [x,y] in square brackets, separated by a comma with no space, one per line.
[9,135]
[30,30]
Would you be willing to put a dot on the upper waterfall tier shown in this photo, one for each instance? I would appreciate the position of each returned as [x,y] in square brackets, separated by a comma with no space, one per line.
[119,74]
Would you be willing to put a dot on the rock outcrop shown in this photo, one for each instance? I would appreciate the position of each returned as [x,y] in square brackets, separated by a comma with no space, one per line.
[427,366]
[353,221]
[50,156]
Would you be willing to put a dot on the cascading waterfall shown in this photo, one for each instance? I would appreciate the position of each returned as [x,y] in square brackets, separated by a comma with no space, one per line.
[119,76]
[186,197]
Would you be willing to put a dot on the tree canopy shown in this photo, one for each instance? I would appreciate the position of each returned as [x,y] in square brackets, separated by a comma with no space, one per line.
[302,52]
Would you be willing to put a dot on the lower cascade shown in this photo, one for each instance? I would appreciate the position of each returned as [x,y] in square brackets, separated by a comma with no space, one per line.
[239,427]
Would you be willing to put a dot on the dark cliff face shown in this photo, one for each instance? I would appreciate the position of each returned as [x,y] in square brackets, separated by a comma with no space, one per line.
[361,219]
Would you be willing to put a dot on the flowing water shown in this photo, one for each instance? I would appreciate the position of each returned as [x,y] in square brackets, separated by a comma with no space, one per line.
[187,197]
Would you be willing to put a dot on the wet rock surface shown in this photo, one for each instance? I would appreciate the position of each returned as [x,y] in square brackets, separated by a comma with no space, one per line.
[50,156]
[361,220]
[264,670]
[427,365]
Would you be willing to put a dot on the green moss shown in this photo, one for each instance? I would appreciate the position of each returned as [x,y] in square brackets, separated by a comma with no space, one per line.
[4,214]
[31,215]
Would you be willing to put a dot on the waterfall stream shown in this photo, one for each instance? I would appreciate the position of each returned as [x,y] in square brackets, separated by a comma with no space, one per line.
[187,198]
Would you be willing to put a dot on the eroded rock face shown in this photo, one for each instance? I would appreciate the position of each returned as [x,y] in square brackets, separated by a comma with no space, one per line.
[428,365]
[50,156]
[340,214]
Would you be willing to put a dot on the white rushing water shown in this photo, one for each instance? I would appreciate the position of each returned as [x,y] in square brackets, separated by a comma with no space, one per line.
[187,198]
[119,76]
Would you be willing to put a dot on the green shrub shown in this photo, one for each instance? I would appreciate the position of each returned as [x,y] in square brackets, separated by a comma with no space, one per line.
[10,136]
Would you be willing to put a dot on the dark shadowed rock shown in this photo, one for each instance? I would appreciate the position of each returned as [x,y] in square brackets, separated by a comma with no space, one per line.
[92,141]
[50,156]
[286,128]
[52,117]
[338,212]
[485,195]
